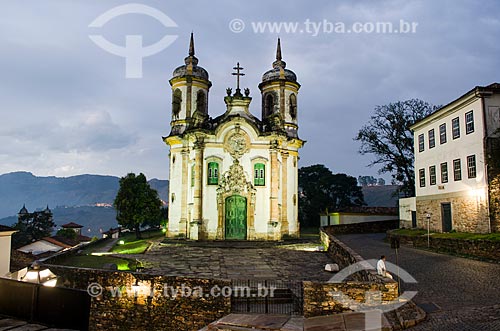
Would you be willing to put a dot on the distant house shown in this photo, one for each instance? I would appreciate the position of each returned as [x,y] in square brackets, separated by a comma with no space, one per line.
[457,164]
[73,226]
[359,215]
[5,247]
[113,233]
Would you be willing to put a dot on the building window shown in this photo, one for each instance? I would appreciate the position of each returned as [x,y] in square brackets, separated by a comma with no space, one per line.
[432,139]
[469,122]
[176,103]
[455,127]
[457,170]
[213,173]
[293,106]
[421,177]
[421,142]
[432,175]
[444,172]
[259,174]
[442,133]
[192,175]
[471,166]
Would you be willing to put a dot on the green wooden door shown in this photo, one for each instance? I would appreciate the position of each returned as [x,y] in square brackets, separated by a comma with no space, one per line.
[236,217]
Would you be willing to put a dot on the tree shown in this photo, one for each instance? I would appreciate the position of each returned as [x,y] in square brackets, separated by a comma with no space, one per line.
[136,203]
[67,233]
[320,190]
[388,136]
[32,227]
[381,182]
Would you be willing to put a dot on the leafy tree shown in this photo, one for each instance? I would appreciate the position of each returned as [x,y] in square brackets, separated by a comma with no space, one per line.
[320,190]
[32,227]
[388,136]
[381,182]
[136,203]
[67,233]
[367,180]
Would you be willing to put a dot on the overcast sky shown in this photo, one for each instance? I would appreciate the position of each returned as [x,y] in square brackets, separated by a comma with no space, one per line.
[67,107]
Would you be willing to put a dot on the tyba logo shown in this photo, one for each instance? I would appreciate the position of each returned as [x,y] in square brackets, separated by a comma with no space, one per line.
[133,51]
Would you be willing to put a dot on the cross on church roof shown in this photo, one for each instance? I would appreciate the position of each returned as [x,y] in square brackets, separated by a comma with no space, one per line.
[238,74]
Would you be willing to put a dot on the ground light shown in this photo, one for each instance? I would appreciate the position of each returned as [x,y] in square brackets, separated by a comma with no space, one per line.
[36,275]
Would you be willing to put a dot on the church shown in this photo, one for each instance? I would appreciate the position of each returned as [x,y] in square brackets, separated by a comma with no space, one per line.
[234,176]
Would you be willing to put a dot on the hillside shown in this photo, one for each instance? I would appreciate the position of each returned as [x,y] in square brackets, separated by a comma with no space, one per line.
[18,188]
[380,196]
[94,219]
[72,199]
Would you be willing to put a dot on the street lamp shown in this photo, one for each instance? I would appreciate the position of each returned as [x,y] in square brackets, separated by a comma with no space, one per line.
[428,230]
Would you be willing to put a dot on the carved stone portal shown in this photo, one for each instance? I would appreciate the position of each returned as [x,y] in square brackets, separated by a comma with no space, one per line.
[234,182]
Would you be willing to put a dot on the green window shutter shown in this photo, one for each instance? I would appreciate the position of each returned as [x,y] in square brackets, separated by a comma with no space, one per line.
[213,173]
[260,174]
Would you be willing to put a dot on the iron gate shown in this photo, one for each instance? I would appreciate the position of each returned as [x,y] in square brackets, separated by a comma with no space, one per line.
[267,297]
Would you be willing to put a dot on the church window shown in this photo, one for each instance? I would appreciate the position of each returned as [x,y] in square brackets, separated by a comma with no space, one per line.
[213,173]
[293,106]
[269,104]
[176,103]
[200,101]
[260,174]
[192,175]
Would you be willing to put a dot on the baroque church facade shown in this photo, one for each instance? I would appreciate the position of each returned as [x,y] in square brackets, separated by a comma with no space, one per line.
[235,176]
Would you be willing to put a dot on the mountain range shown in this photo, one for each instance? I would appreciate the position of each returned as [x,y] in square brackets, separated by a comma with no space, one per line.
[87,199]
[83,199]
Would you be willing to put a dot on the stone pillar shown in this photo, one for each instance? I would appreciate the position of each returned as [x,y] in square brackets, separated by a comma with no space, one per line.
[183,226]
[220,219]
[198,188]
[274,215]
[251,216]
[284,194]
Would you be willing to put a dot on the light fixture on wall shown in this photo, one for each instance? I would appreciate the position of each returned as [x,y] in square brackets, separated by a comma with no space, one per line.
[36,275]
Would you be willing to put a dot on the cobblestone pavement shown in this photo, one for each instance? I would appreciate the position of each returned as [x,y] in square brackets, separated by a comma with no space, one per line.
[286,262]
[466,291]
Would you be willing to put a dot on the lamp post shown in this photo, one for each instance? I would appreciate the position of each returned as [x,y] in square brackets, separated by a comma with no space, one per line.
[428,230]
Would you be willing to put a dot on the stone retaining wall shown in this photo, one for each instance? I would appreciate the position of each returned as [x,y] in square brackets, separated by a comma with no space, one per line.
[364,227]
[345,256]
[484,249]
[325,299]
[146,310]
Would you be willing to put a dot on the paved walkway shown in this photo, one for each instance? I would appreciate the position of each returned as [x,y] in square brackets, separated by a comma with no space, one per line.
[464,293]
[233,261]
[339,322]
[10,324]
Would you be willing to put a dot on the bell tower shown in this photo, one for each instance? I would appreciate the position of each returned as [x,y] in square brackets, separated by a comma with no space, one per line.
[279,89]
[190,87]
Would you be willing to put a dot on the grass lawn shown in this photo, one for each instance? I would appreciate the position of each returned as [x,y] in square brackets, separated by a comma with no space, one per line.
[96,262]
[133,246]
[453,235]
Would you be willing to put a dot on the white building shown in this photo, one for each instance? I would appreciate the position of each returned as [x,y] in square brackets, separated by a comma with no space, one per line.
[234,176]
[5,247]
[457,164]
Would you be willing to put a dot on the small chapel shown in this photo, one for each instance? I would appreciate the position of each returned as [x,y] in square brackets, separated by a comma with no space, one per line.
[233,176]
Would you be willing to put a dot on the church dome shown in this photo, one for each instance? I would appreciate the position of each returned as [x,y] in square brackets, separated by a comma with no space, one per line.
[190,68]
[23,210]
[275,74]
[279,70]
[197,72]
